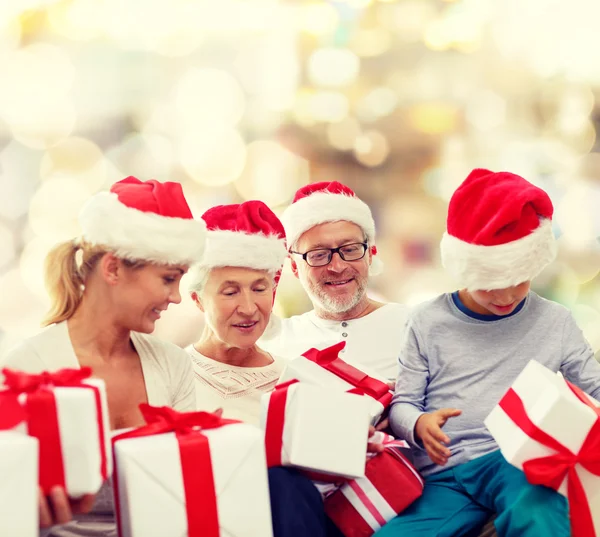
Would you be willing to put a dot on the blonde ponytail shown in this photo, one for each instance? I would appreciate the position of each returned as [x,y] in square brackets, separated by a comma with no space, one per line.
[65,280]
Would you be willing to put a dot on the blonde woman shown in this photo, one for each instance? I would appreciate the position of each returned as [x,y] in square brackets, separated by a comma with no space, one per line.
[108,289]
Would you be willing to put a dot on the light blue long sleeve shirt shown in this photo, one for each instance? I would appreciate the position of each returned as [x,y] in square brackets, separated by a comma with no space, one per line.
[453,359]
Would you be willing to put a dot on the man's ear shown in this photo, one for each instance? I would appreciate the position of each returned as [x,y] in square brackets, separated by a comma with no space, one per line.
[294,266]
[198,301]
[111,268]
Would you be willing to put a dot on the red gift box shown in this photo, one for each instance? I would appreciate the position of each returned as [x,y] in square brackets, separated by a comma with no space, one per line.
[362,506]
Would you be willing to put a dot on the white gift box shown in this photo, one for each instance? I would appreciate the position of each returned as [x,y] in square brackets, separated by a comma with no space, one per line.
[555,409]
[305,370]
[18,485]
[324,431]
[151,490]
[80,436]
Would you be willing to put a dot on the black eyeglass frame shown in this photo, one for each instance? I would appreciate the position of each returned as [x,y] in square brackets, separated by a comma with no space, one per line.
[332,251]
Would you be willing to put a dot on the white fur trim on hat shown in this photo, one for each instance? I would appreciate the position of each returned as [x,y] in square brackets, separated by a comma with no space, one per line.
[498,267]
[322,207]
[137,235]
[226,248]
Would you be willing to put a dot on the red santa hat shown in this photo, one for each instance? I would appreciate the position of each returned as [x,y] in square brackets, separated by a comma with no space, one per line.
[144,220]
[244,235]
[319,203]
[499,231]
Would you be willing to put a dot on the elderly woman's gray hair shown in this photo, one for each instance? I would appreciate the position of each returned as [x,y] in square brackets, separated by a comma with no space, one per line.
[198,276]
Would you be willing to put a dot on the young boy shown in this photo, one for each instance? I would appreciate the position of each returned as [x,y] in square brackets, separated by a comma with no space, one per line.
[463,350]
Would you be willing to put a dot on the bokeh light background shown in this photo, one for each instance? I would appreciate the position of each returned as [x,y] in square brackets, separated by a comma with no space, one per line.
[243,99]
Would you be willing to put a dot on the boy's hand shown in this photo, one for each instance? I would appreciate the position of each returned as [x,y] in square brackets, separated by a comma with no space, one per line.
[373,447]
[429,429]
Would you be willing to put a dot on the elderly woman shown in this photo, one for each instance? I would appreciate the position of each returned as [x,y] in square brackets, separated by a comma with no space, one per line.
[108,289]
[234,286]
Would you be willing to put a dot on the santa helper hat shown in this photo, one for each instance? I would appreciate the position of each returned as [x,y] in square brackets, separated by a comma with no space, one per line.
[144,220]
[320,203]
[245,235]
[499,231]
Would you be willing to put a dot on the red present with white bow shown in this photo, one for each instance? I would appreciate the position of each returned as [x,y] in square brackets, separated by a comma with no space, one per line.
[316,429]
[67,412]
[191,474]
[361,507]
[325,368]
[550,429]
[19,495]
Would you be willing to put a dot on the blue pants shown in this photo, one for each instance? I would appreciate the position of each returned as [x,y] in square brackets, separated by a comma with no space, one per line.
[458,501]
[296,506]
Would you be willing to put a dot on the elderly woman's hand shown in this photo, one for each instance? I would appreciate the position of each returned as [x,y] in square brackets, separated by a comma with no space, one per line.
[58,508]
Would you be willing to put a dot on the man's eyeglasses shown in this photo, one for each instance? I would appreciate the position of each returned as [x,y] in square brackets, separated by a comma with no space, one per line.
[323,256]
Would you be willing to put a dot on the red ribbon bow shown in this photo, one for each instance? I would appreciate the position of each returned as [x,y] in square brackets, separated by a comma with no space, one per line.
[19,382]
[552,470]
[40,413]
[196,466]
[363,384]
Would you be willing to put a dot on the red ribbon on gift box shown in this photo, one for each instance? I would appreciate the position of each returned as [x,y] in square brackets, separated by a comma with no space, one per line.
[196,465]
[362,506]
[40,413]
[552,470]
[275,423]
[363,384]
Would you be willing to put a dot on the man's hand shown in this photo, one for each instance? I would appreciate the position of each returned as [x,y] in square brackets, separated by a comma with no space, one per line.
[58,508]
[429,429]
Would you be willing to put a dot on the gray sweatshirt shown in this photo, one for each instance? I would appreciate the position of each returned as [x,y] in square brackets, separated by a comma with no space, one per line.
[452,358]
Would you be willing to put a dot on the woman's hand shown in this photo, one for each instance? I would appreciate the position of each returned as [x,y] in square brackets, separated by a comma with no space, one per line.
[58,508]
[429,430]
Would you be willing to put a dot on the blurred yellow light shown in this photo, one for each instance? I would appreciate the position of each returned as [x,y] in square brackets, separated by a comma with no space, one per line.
[54,208]
[486,110]
[371,148]
[80,20]
[10,32]
[371,42]
[204,96]
[575,214]
[143,155]
[76,157]
[31,264]
[378,103]
[436,36]
[333,67]
[213,157]
[7,246]
[317,18]
[272,173]
[23,317]
[34,94]
[434,118]
[343,134]
[408,19]
[328,106]
[358,4]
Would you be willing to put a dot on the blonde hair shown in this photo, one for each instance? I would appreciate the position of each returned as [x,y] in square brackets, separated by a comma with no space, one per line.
[65,276]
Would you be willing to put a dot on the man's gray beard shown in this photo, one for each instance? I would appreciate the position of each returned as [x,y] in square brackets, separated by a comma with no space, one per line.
[319,296]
